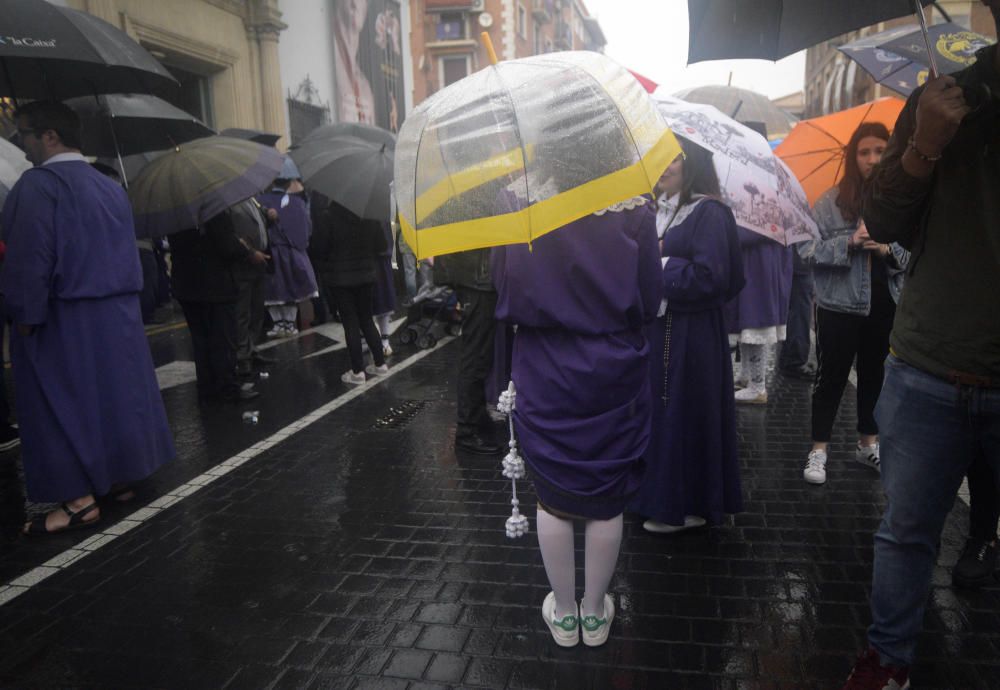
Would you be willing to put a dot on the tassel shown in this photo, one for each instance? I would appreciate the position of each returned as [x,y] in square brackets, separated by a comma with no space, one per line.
[513,467]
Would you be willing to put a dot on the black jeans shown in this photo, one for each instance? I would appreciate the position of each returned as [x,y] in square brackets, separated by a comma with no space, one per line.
[839,338]
[355,305]
[476,358]
[795,349]
[984,501]
[150,280]
[249,315]
[213,339]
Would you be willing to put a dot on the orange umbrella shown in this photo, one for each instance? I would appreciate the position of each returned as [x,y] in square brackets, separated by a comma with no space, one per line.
[814,149]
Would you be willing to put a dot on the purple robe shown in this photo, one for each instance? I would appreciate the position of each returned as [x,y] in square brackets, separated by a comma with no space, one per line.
[581,296]
[88,403]
[692,463]
[767,267]
[293,279]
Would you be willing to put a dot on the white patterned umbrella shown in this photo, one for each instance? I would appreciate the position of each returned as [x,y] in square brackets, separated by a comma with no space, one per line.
[757,185]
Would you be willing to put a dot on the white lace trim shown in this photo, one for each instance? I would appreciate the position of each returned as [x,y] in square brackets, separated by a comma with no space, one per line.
[621,206]
[758,336]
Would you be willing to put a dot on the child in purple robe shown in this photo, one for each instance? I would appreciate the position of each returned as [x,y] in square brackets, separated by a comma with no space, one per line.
[580,298]
[91,416]
[692,463]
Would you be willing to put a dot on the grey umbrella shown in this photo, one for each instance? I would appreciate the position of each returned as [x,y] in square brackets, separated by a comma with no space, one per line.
[743,106]
[126,124]
[773,29]
[254,135]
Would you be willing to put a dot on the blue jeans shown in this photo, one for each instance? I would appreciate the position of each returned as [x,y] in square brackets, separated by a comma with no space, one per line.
[930,432]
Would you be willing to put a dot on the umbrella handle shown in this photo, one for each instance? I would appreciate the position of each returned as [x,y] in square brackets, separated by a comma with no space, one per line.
[927,39]
[489,47]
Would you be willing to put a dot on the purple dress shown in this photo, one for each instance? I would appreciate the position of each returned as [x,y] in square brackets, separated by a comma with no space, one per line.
[692,463]
[762,306]
[581,296]
[88,403]
[293,280]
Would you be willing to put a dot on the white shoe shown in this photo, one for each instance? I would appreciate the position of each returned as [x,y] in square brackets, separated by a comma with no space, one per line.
[690,521]
[596,629]
[815,471]
[565,631]
[352,378]
[373,370]
[868,456]
[751,396]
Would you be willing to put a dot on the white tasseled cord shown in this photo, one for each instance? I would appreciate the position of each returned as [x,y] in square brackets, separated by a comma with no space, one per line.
[513,466]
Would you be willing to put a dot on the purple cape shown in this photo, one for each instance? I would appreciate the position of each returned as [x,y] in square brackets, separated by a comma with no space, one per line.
[293,279]
[581,296]
[692,463]
[88,403]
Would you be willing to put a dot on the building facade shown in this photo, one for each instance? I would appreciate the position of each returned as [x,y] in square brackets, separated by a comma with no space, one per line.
[224,53]
[446,44]
[834,82]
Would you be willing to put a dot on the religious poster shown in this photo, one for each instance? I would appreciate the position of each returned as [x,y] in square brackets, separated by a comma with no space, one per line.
[368,62]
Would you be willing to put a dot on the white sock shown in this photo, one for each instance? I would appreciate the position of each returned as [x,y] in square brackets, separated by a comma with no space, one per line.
[602,540]
[382,321]
[555,539]
[753,362]
[276,311]
[290,312]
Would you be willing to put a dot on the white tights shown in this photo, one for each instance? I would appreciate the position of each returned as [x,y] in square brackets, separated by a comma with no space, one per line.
[382,321]
[602,539]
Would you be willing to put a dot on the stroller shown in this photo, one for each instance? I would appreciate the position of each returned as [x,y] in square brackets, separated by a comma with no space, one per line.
[434,313]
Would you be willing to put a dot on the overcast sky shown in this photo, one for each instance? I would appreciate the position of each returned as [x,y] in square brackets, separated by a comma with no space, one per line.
[650,37]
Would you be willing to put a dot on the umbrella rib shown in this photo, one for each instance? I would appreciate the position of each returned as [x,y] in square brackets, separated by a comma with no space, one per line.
[822,165]
[520,144]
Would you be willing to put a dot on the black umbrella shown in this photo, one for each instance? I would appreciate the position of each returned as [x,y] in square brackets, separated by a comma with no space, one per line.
[350,129]
[255,135]
[125,124]
[54,52]
[773,29]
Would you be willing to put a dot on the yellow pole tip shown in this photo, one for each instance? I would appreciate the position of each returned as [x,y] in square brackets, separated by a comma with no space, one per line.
[489,47]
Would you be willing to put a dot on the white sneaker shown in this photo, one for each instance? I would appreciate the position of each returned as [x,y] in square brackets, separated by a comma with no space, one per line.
[751,396]
[373,370]
[815,471]
[868,456]
[663,528]
[352,378]
[595,629]
[565,631]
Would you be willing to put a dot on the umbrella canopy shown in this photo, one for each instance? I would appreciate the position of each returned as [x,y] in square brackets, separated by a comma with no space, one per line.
[187,186]
[743,106]
[254,135]
[12,164]
[646,82]
[762,192]
[814,150]
[523,147]
[125,124]
[771,30]
[55,52]
[897,58]
[354,172]
[350,129]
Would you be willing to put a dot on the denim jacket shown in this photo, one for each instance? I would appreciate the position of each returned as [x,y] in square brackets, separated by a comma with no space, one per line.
[842,277]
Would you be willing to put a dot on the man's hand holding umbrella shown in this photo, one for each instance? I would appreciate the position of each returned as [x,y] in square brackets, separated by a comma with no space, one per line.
[940,110]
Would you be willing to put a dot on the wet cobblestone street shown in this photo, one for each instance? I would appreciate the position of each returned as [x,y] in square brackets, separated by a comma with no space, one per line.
[342,543]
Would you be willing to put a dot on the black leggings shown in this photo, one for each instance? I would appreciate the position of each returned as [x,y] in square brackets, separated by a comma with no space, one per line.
[839,338]
[354,303]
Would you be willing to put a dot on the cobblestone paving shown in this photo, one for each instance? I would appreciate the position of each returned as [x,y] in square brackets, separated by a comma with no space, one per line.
[362,552]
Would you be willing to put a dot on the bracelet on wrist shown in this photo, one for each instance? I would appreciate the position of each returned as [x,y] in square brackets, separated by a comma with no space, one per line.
[912,145]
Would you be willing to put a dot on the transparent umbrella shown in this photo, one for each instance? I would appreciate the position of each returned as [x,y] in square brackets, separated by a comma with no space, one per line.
[524,147]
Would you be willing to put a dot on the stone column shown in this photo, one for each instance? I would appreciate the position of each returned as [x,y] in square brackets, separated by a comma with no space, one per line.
[272,98]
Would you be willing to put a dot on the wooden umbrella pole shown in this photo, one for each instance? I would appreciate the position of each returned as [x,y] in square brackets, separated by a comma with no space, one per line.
[932,61]
[489,47]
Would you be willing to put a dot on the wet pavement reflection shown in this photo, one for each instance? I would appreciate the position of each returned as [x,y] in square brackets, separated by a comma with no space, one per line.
[360,551]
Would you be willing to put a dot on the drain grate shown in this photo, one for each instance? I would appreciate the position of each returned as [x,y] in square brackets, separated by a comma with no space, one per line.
[399,415]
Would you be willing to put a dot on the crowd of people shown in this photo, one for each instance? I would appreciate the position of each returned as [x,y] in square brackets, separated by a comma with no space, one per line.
[626,394]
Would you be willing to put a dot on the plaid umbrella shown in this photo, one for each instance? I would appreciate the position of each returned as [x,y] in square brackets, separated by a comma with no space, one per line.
[185,187]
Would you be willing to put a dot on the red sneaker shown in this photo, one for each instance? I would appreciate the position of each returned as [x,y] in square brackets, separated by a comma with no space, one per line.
[870,674]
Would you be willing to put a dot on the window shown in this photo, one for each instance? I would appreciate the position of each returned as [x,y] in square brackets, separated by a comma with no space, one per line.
[194,95]
[522,21]
[453,69]
[451,26]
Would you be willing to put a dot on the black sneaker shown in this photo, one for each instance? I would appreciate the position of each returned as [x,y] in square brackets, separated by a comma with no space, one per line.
[9,438]
[977,565]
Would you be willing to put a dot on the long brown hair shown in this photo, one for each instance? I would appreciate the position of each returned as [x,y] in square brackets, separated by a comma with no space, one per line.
[849,198]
